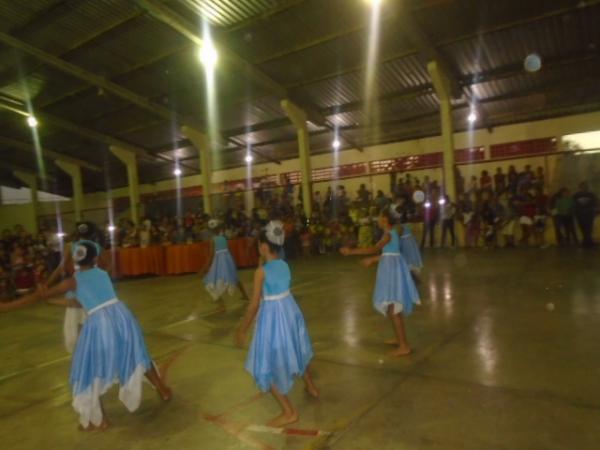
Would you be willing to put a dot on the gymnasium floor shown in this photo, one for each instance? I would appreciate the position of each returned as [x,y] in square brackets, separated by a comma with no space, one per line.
[495,366]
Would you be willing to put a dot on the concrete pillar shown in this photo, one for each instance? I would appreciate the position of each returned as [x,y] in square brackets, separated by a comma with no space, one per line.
[129,159]
[442,89]
[202,143]
[74,171]
[298,118]
[30,180]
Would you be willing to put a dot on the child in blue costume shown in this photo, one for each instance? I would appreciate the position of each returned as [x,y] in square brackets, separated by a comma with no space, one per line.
[410,249]
[395,291]
[281,349]
[110,348]
[74,314]
[221,276]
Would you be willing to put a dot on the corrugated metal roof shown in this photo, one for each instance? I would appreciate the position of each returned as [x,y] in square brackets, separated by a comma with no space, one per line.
[226,12]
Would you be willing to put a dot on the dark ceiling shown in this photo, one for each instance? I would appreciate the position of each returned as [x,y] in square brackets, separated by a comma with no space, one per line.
[102,72]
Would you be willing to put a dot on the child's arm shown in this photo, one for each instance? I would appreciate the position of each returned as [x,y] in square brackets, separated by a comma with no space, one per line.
[240,336]
[369,261]
[42,293]
[367,250]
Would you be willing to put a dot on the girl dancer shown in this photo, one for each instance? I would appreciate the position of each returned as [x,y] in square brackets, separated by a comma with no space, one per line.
[74,314]
[395,292]
[222,275]
[111,346]
[281,349]
[410,251]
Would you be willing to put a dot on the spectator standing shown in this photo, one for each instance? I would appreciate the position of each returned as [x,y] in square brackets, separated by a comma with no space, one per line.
[430,219]
[564,207]
[585,208]
[447,213]
[485,181]
[499,181]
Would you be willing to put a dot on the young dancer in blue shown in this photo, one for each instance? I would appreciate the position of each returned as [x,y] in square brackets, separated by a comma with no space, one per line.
[395,292]
[221,276]
[110,348]
[410,250]
[74,314]
[281,349]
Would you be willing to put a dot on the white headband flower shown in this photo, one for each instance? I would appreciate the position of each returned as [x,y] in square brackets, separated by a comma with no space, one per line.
[80,253]
[274,232]
[213,223]
[83,228]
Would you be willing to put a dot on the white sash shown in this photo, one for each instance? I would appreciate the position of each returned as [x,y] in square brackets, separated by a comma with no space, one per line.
[276,297]
[112,301]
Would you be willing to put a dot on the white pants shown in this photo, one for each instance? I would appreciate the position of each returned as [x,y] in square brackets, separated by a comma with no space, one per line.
[74,318]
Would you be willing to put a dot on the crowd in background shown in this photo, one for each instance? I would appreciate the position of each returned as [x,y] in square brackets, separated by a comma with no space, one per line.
[504,209]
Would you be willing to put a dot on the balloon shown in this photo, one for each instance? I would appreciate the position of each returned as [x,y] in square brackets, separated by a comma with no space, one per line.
[418,196]
[533,62]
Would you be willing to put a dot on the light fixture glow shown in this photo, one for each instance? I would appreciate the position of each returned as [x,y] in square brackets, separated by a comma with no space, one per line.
[60,235]
[177,172]
[249,158]
[208,54]
[336,144]
[112,228]
[472,117]
[427,204]
[32,121]
[442,201]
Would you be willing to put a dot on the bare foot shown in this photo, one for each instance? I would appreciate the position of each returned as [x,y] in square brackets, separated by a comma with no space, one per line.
[104,425]
[165,393]
[401,351]
[312,390]
[283,420]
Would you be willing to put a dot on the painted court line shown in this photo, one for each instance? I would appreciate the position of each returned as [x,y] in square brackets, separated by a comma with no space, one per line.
[287,431]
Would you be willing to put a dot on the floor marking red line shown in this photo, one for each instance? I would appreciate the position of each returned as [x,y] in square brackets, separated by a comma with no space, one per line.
[288,431]
[237,431]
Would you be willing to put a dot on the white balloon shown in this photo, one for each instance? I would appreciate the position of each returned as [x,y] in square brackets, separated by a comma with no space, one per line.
[418,196]
[533,62]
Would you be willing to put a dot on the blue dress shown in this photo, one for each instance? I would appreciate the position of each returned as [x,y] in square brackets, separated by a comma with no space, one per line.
[410,249]
[75,317]
[222,276]
[394,284]
[281,347]
[110,349]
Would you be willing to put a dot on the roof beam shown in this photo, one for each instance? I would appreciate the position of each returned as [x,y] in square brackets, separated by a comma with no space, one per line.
[49,154]
[478,33]
[178,23]
[87,76]
[7,76]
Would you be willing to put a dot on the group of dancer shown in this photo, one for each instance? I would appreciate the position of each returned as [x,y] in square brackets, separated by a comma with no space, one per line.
[110,347]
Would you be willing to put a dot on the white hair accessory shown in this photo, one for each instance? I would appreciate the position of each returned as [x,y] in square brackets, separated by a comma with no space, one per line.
[213,223]
[275,233]
[80,253]
[83,228]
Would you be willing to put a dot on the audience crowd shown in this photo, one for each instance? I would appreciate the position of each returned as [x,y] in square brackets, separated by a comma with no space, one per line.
[504,209]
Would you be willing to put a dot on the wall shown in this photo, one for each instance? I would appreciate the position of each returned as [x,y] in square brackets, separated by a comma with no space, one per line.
[560,169]
[11,215]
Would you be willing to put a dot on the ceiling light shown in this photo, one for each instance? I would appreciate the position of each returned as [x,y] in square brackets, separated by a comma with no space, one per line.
[32,121]
[336,144]
[472,117]
[208,55]
[248,158]
[177,172]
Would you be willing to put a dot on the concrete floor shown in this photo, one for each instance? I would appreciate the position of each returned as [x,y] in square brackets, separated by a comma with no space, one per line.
[495,367]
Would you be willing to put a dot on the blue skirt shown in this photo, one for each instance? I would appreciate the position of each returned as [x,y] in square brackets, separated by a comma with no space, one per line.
[222,276]
[394,286]
[281,347]
[410,251]
[110,350]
